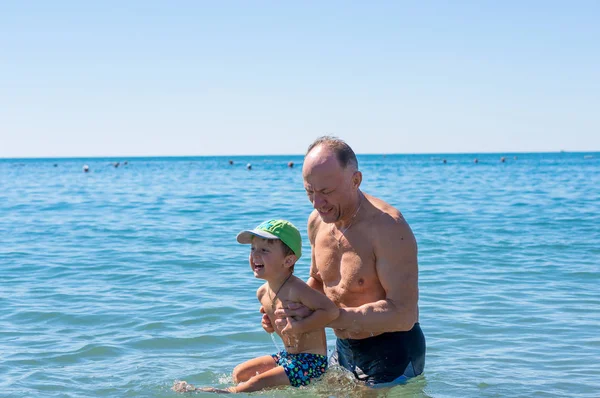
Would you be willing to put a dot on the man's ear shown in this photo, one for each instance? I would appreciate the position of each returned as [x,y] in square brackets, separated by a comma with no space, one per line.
[356,179]
[290,260]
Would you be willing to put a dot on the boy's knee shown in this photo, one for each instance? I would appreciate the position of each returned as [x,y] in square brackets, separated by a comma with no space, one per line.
[237,374]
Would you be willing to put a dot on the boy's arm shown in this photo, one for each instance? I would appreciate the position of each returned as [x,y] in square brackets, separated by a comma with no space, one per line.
[265,321]
[261,292]
[324,311]
[296,309]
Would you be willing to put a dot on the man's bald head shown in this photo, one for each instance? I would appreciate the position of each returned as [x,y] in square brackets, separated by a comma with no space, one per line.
[342,151]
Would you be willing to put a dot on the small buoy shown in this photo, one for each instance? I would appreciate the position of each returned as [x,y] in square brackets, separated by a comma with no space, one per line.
[476,160]
[86,168]
[444,160]
[502,160]
[249,166]
[230,161]
[291,164]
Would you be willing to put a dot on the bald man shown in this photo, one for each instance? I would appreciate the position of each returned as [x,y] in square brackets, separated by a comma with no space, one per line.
[364,258]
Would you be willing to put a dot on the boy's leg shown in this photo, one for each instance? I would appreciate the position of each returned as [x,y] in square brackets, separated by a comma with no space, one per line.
[271,378]
[249,369]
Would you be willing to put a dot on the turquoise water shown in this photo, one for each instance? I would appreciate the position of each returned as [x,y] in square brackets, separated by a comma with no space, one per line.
[118,282]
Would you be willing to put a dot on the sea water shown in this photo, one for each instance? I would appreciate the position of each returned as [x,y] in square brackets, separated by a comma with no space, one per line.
[119,281]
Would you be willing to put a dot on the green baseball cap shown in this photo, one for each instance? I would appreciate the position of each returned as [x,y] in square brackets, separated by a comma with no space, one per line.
[275,229]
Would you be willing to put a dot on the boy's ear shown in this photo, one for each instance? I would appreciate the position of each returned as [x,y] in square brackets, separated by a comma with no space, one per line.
[290,260]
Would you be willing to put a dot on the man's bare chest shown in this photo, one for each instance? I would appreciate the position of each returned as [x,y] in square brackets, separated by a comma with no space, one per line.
[348,267]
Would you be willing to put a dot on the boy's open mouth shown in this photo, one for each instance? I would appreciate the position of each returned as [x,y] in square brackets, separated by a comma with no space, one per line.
[258,266]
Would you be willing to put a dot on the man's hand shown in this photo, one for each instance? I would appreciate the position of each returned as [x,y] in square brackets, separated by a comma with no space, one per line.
[292,309]
[289,326]
[266,322]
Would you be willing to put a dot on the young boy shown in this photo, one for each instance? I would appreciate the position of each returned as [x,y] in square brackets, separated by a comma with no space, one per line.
[276,245]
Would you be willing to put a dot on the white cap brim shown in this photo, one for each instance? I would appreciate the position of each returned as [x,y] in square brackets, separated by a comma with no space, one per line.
[245,237]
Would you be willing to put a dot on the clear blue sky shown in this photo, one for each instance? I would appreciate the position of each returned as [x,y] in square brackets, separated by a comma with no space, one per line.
[129,78]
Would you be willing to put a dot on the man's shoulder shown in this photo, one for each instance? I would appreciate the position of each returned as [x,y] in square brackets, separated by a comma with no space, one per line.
[314,221]
[385,213]
[388,221]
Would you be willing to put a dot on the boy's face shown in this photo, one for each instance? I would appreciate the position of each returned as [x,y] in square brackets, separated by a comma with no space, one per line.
[267,258]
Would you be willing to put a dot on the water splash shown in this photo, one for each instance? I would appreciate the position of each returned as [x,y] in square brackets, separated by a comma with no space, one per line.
[277,346]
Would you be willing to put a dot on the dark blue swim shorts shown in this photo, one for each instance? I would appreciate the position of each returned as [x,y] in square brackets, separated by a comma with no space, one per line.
[384,360]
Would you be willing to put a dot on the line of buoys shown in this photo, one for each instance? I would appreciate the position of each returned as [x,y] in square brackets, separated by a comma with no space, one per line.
[476,160]
[290,164]
[86,168]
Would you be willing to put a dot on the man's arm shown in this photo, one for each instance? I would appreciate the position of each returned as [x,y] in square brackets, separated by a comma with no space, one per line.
[323,311]
[314,279]
[397,270]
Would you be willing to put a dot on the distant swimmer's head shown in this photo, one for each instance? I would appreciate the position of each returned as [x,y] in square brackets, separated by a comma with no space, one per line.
[332,179]
[276,246]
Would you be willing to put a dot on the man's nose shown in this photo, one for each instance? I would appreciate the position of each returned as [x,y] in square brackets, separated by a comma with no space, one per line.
[318,200]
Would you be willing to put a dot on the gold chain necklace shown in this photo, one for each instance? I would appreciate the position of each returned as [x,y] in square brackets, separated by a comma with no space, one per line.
[343,231]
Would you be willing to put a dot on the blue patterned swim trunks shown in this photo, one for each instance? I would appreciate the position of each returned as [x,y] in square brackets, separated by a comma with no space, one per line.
[301,368]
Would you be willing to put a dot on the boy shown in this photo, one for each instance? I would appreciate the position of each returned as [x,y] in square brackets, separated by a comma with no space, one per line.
[276,245]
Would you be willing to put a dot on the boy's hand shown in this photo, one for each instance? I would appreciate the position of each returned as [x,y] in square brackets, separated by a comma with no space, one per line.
[266,322]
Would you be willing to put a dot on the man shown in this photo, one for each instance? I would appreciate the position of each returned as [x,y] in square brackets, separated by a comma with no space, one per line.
[364,258]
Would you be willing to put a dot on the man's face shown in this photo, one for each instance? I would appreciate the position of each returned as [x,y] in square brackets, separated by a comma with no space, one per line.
[327,184]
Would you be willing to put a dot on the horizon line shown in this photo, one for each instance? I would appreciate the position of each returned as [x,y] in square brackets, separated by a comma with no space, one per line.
[282,155]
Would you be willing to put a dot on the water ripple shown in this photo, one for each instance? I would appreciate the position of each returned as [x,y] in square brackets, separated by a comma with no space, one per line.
[118,282]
